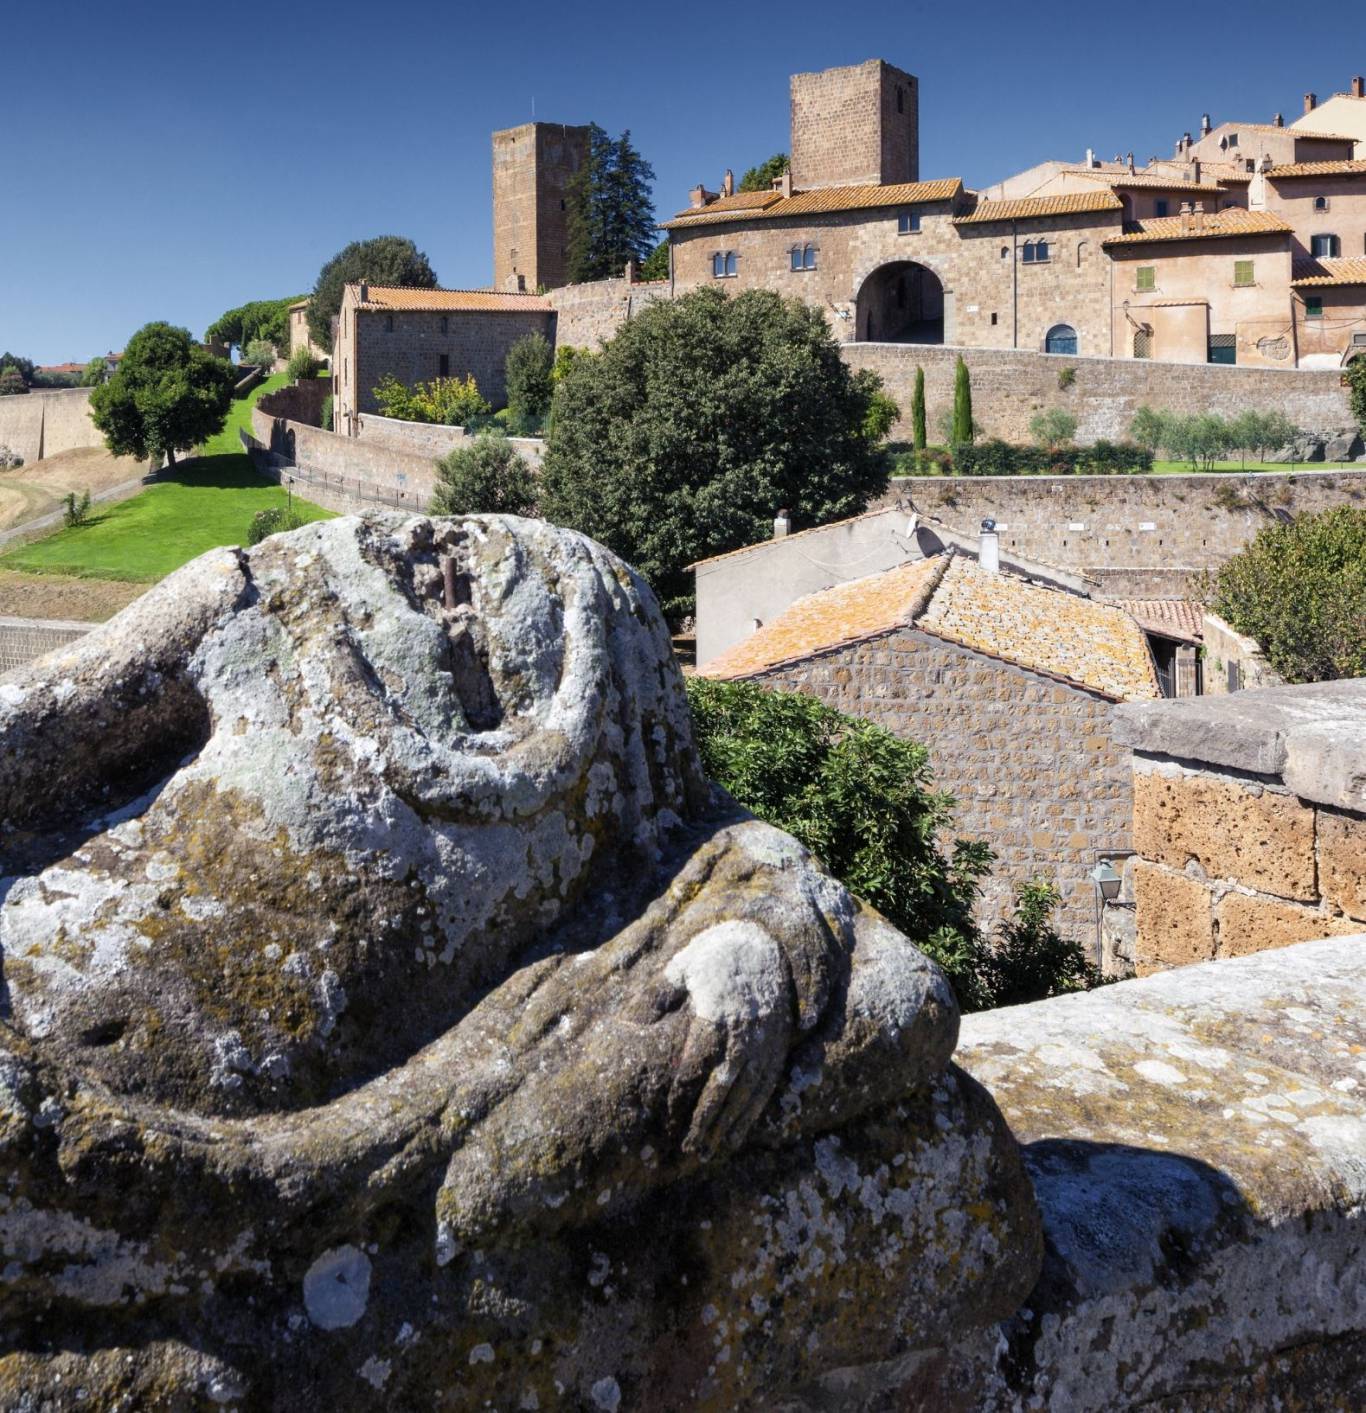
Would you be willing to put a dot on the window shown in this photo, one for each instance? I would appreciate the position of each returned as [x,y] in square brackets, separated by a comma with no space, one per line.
[803,257]
[1162,208]
[724,263]
[444,366]
[388,323]
[1325,247]
[1035,252]
[1061,338]
[899,100]
[1320,203]
[1232,139]
[1223,348]
[1313,306]
[1242,273]
[1143,343]
[1005,252]
[718,265]
[732,263]
[993,319]
[907,222]
[1145,277]
[445,324]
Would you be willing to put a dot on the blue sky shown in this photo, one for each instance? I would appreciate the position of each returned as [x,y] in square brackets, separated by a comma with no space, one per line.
[169,161]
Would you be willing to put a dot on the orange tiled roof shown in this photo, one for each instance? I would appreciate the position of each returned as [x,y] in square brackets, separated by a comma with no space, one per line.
[1349,270]
[1177,618]
[388,297]
[1142,179]
[1083,641]
[1029,207]
[1232,221]
[1299,134]
[832,618]
[746,201]
[1226,173]
[827,199]
[1317,169]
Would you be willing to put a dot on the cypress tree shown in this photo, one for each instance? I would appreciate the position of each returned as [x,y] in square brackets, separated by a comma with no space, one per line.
[962,405]
[918,411]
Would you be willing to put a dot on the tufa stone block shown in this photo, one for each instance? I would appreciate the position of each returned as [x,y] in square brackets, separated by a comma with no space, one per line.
[1175,926]
[1342,861]
[1249,922]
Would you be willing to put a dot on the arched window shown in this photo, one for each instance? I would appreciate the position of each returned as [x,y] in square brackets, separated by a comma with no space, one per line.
[1320,203]
[803,257]
[795,254]
[723,263]
[1325,247]
[1081,250]
[1035,252]
[732,263]
[1061,338]
[1005,252]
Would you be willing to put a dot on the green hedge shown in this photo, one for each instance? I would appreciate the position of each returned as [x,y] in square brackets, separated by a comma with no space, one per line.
[998,458]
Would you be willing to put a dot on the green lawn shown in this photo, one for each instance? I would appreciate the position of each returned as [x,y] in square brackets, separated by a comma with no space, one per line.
[227,442]
[1184,468]
[205,503]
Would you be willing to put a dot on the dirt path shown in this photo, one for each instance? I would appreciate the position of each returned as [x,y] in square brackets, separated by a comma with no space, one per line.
[38,488]
[55,596]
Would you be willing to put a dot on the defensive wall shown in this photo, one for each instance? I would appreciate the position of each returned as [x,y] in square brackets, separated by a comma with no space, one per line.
[24,638]
[47,421]
[1009,386]
[587,315]
[430,439]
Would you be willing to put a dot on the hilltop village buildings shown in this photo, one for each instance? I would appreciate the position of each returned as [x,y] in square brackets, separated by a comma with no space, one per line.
[1247,246]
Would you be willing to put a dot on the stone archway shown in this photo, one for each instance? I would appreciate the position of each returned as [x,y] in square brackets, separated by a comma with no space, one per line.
[901,302]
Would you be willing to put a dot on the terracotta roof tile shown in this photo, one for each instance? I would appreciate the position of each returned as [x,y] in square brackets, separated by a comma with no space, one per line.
[741,201]
[1064,635]
[1317,169]
[847,613]
[1176,618]
[1233,221]
[387,297]
[1077,203]
[1142,179]
[827,199]
[1299,134]
[1350,270]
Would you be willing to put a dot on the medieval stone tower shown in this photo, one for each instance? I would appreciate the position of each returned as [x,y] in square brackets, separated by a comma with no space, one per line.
[855,126]
[532,168]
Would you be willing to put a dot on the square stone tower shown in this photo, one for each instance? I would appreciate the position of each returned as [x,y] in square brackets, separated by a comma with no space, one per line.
[532,169]
[855,126]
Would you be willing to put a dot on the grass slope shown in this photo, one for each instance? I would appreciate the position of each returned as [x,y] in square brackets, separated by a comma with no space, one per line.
[227,442]
[203,504]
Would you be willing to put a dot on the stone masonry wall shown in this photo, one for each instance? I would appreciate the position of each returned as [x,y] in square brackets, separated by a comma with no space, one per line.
[22,639]
[47,421]
[587,315]
[430,439]
[1031,762]
[847,126]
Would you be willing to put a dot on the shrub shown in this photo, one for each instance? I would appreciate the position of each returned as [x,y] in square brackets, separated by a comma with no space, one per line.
[10,460]
[1053,427]
[861,799]
[302,365]
[487,477]
[1148,428]
[565,354]
[1300,591]
[454,402]
[528,367]
[11,381]
[999,458]
[75,509]
[882,415]
[272,522]
[1066,377]
[260,353]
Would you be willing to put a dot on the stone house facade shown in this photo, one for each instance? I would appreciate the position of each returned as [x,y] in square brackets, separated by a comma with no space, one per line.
[299,337]
[1343,113]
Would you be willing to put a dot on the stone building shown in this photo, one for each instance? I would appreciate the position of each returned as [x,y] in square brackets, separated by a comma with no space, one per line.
[417,335]
[533,166]
[1008,682]
[299,336]
[1343,113]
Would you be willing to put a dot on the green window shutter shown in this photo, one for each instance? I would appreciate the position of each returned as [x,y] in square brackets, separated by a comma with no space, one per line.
[1147,277]
[1242,272]
[1313,307]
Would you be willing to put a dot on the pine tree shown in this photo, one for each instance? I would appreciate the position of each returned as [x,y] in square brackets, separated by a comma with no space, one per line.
[611,216]
[962,405]
[918,411]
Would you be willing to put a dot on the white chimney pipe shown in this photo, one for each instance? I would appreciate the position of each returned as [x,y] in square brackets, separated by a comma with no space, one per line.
[989,554]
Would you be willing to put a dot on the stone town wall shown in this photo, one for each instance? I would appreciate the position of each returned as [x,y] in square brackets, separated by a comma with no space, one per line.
[298,402]
[427,439]
[1140,536]
[587,315]
[1031,761]
[22,639]
[47,421]
[1010,386]
[1249,821]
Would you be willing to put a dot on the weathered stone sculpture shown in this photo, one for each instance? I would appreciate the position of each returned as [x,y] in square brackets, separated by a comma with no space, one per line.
[394,1017]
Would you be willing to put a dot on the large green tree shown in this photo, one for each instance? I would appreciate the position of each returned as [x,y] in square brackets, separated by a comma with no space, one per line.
[610,211]
[25,367]
[1300,591]
[384,260]
[762,177]
[168,395]
[261,319]
[701,419]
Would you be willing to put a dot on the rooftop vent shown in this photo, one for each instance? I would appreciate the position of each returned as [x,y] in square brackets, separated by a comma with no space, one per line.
[989,551]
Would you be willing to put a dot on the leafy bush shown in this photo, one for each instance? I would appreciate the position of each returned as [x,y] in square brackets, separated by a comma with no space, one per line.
[327,413]
[487,477]
[1300,591]
[302,365]
[861,799]
[272,522]
[882,415]
[699,420]
[9,460]
[454,402]
[260,353]
[1066,377]
[11,381]
[656,266]
[528,367]
[1356,390]
[1053,427]
[75,509]
[1102,458]
[565,354]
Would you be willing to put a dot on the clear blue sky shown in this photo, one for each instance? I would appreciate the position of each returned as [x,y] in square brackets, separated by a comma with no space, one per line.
[169,161]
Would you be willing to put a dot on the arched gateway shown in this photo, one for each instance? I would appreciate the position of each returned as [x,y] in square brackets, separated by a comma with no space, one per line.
[902,302]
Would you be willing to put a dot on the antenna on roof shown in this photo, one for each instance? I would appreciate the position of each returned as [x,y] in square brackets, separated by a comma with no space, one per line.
[533,107]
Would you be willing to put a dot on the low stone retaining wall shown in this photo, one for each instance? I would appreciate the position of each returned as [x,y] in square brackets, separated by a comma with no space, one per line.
[427,439]
[23,639]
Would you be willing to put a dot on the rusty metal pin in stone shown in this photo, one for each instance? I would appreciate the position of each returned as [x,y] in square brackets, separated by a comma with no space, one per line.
[448,579]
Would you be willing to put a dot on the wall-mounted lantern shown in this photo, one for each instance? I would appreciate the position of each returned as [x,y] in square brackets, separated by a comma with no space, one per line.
[1106,879]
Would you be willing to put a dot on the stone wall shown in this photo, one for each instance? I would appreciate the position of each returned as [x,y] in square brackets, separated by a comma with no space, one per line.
[1031,761]
[1249,821]
[1233,663]
[428,439]
[587,315]
[1010,385]
[47,421]
[852,125]
[22,639]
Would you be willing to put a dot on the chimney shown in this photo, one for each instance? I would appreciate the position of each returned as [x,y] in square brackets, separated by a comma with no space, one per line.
[697,196]
[1185,215]
[631,275]
[784,183]
[1204,125]
[362,292]
[1130,159]
[782,525]
[989,550]
[1198,216]
[1278,121]
[1359,87]
[728,183]
[1311,101]
[1091,158]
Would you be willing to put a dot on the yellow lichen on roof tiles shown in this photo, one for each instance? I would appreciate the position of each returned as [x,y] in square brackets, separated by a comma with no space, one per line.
[388,297]
[1029,207]
[843,614]
[1082,640]
[827,199]
[1318,169]
[1233,221]
[1348,270]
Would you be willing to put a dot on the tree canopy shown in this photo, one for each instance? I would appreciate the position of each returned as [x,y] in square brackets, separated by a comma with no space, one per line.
[610,211]
[697,422]
[529,368]
[1300,591]
[762,177]
[383,260]
[261,319]
[25,367]
[169,394]
[487,477]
